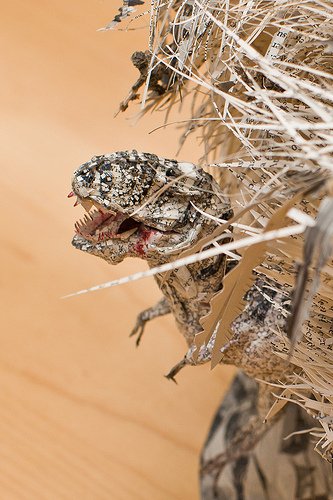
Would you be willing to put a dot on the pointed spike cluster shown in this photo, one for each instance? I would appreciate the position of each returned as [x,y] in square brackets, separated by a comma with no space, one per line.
[78,227]
[89,217]
[91,220]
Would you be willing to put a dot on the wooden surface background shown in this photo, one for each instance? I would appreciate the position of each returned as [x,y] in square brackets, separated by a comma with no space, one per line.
[83,414]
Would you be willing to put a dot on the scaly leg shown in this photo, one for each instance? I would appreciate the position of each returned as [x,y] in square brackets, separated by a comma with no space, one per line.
[160,309]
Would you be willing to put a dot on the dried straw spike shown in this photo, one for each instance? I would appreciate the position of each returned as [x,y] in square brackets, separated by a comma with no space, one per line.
[259,78]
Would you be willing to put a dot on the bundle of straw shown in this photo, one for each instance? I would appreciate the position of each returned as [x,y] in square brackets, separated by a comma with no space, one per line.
[258,75]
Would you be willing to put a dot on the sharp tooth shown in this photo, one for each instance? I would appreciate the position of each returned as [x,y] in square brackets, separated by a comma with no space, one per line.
[86,218]
[97,205]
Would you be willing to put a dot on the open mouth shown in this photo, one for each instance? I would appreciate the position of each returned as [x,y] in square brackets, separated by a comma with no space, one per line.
[99,225]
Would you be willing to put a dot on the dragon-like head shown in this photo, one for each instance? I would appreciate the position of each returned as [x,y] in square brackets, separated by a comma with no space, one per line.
[141,205]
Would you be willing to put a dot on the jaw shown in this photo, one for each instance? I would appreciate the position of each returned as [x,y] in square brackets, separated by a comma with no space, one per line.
[112,252]
[115,250]
[113,236]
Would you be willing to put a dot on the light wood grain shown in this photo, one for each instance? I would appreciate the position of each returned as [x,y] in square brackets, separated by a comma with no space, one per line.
[83,414]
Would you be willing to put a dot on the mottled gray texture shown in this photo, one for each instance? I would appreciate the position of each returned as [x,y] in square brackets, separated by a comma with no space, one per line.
[155,208]
[160,202]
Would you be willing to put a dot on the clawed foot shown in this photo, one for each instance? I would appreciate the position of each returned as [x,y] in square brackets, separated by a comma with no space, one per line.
[159,309]
[138,330]
[175,370]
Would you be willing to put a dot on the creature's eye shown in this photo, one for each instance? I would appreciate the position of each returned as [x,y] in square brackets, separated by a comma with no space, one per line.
[169,172]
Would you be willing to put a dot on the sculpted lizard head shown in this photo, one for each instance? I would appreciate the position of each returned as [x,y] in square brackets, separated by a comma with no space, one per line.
[141,205]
